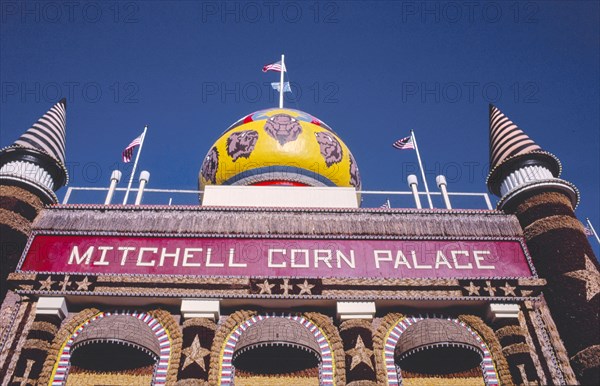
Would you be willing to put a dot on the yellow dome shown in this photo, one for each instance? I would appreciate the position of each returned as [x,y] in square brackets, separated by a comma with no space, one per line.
[279,147]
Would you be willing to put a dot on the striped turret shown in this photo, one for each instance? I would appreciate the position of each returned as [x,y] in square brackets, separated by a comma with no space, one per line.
[506,139]
[526,178]
[512,150]
[31,170]
[37,159]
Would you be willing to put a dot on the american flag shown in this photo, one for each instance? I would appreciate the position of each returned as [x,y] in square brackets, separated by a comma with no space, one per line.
[128,152]
[404,143]
[386,205]
[274,67]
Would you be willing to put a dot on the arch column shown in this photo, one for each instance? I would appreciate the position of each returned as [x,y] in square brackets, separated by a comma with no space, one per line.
[512,336]
[194,365]
[357,338]
[49,314]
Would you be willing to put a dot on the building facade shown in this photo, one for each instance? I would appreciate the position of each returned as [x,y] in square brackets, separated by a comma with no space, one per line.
[279,277]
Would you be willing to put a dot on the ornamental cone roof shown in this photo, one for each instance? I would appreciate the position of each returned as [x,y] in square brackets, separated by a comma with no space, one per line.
[48,133]
[45,140]
[510,147]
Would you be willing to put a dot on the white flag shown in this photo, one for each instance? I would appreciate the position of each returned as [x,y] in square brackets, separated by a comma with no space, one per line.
[286,86]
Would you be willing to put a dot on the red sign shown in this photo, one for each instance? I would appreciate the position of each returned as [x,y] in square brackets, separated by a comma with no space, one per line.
[276,257]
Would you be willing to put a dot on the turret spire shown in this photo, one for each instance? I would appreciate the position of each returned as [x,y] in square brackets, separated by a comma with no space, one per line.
[37,158]
[48,133]
[512,149]
[506,138]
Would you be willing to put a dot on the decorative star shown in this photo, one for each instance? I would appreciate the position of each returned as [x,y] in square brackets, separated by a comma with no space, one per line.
[46,284]
[84,284]
[305,288]
[65,283]
[489,288]
[195,353]
[360,354]
[286,286]
[473,289]
[590,276]
[508,289]
[265,288]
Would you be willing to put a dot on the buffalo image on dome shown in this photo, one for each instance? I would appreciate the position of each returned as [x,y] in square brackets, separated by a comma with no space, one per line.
[354,173]
[241,144]
[210,165]
[331,149]
[283,128]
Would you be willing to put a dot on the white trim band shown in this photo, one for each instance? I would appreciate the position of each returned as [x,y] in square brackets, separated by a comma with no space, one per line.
[524,175]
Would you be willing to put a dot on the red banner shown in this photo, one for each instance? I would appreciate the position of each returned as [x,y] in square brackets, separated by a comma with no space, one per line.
[276,257]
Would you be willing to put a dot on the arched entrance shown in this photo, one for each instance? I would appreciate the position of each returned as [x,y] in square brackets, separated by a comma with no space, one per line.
[115,348]
[433,351]
[290,348]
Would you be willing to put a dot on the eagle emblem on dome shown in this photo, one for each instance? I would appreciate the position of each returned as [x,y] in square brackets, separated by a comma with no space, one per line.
[210,164]
[241,144]
[330,147]
[283,128]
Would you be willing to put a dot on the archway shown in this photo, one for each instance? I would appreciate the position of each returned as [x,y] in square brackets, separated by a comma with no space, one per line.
[253,352]
[437,350]
[115,348]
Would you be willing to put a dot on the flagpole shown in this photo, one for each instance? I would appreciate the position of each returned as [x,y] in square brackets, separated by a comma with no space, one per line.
[281,81]
[137,157]
[593,230]
[412,134]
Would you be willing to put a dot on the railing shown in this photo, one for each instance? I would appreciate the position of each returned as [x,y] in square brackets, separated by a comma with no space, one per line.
[369,198]
[67,196]
[440,204]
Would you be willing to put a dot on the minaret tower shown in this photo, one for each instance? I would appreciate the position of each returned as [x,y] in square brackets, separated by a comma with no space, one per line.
[526,179]
[31,170]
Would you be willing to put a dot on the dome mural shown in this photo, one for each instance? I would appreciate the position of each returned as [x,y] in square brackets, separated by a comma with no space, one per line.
[279,147]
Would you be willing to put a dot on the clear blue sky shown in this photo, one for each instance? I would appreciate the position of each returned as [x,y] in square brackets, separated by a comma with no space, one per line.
[371,70]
